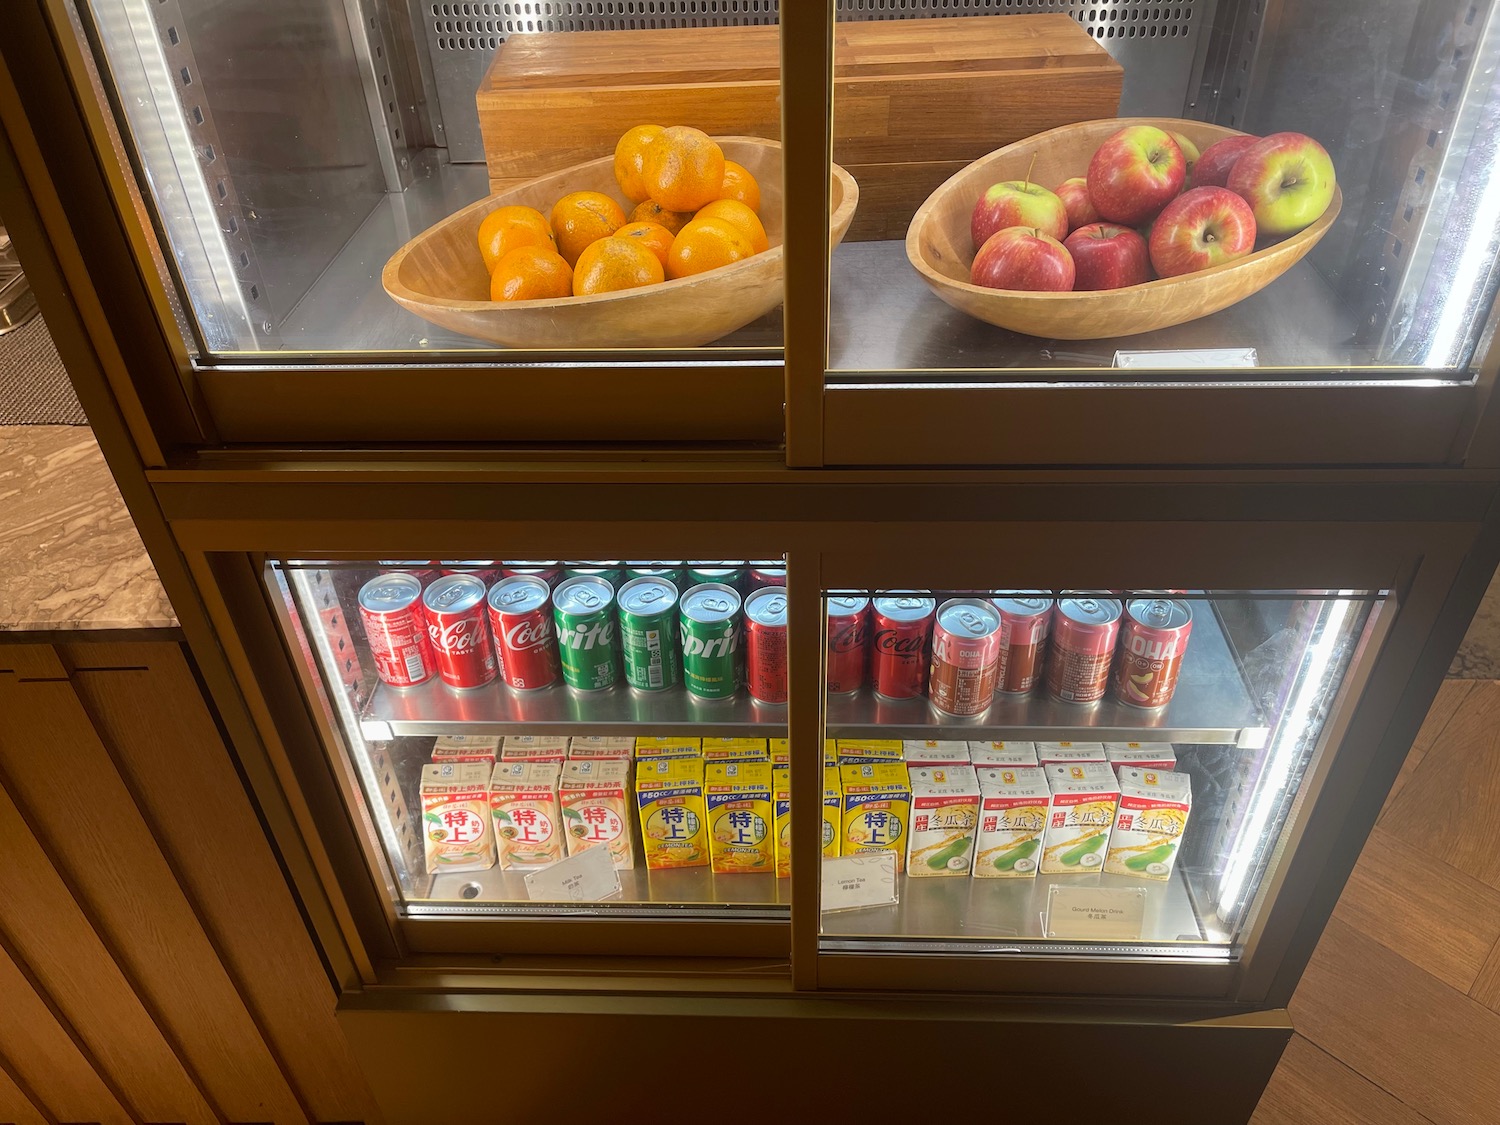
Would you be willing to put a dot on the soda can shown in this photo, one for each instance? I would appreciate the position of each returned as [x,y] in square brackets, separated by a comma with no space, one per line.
[458,631]
[672,574]
[901,642]
[648,634]
[1025,620]
[521,620]
[487,571]
[1153,639]
[965,656]
[765,644]
[549,572]
[848,639]
[709,625]
[390,608]
[703,573]
[611,572]
[768,573]
[1084,628]
[424,571]
[584,610]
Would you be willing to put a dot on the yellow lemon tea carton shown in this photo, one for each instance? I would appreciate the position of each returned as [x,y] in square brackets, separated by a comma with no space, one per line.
[1141,755]
[944,820]
[833,811]
[534,748]
[780,750]
[1154,806]
[595,746]
[1053,753]
[830,754]
[528,819]
[593,797]
[1013,806]
[466,748]
[781,796]
[674,821]
[1000,754]
[741,816]
[933,752]
[735,750]
[456,832]
[650,749]
[1079,816]
[876,808]
[868,751]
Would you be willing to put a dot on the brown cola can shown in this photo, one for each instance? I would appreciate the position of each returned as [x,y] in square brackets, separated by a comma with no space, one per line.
[1025,623]
[1085,626]
[1153,640]
[965,656]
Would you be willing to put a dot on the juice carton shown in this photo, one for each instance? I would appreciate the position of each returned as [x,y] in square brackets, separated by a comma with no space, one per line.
[1141,755]
[1053,753]
[650,749]
[593,746]
[1013,807]
[674,821]
[466,748]
[1084,799]
[1148,828]
[833,810]
[534,748]
[781,794]
[741,816]
[984,754]
[830,754]
[593,796]
[456,830]
[876,808]
[780,750]
[528,821]
[735,750]
[868,751]
[935,753]
[944,820]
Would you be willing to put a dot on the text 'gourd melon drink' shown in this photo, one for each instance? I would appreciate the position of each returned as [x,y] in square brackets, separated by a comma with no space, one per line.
[528,819]
[1154,806]
[944,817]
[741,816]
[876,808]
[1084,799]
[1013,808]
[456,832]
[593,798]
[669,797]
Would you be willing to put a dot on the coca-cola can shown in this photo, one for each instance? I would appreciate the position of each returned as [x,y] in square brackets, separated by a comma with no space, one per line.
[1085,625]
[549,572]
[486,570]
[765,644]
[1025,620]
[965,656]
[901,642]
[389,606]
[458,631]
[768,573]
[424,571]
[1153,639]
[520,610]
[848,641]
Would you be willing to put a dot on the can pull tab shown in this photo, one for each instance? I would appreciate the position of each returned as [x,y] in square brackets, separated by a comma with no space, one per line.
[716,605]
[511,597]
[908,603]
[1088,605]
[650,596]
[588,599]
[846,604]
[973,622]
[776,604]
[1159,611]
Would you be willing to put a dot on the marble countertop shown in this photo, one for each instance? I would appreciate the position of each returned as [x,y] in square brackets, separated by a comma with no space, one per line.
[70,557]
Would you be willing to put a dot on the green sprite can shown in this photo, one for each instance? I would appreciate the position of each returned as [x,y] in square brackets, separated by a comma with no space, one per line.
[583,609]
[611,572]
[709,623]
[672,574]
[648,634]
[699,573]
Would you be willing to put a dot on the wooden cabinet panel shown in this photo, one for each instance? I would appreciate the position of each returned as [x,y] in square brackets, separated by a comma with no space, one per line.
[15,1106]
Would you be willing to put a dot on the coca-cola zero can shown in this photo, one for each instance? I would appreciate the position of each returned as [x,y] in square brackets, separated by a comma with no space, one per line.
[521,618]
[965,656]
[390,610]
[848,639]
[1153,639]
[1025,618]
[1084,628]
[458,631]
[765,644]
[901,642]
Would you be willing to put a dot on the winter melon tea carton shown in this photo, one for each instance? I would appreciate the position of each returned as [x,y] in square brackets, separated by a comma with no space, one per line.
[1013,806]
[1084,799]
[1154,807]
[741,816]
[944,817]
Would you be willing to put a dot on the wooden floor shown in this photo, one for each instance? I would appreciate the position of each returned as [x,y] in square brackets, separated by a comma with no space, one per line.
[1398,1015]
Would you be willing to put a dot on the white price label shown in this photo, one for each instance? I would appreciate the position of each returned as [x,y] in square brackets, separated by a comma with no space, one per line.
[589,876]
[851,881]
[1096,913]
[1190,358]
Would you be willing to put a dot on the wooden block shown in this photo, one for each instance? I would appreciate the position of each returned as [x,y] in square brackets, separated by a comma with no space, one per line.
[1311,1087]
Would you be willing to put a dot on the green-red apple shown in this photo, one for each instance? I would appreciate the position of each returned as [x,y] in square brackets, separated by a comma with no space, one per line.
[1017,203]
[1075,196]
[1201,228]
[1190,152]
[1134,174]
[1288,180]
[1023,258]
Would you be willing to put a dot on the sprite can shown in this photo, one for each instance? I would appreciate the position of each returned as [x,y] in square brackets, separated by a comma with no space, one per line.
[672,574]
[648,634]
[709,623]
[584,610]
[611,572]
[699,573]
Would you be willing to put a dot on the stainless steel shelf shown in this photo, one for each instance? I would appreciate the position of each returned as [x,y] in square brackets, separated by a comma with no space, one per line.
[685,892]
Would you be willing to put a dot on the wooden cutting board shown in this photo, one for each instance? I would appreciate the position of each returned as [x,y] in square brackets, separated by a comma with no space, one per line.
[915,100]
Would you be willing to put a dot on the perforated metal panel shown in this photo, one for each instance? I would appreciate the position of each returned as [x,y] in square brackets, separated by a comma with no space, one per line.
[1155,42]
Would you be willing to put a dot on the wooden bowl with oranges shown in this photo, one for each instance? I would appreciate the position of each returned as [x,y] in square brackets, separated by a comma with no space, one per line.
[704,285]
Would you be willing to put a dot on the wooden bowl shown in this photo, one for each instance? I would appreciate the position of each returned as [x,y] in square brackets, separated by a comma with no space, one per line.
[938,245]
[439,275]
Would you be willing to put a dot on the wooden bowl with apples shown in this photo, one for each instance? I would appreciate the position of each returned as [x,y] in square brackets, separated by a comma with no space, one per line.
[940,241]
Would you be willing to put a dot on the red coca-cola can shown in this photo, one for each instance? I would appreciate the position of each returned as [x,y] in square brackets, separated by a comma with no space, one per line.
[1085,625]
[458,631]
[390,607]
[1025,620]
[765,644]
[520,610]
[486,570]
[1153,639]
[766,574]
[424,571]
[549,572]
[901,642]
[848,639]
[965,656]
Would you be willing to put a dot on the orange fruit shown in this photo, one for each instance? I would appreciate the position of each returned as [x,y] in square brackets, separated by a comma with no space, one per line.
[733,211]
[740,184]
[630,157]
[684,168]
[653,236]
[581,218]
[508,228]
[653,212]
[707,244]
[616,263]
[531,273]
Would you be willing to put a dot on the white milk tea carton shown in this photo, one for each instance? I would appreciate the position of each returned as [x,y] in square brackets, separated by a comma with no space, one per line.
[944,816]
[1013,805]
[534,748]
[594,796]
[528,819]
[456,832]
[1154,806]
[984,754]
[466,748]
[584,747]
[1141,755]
[1085,796]
[935,752]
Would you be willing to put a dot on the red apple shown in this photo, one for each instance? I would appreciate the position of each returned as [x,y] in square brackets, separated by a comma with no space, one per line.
[1017,203]
[1190,152]
[1075,196]
[1023,258]
[1135,173]
[1204,227]
[1212,169]
[1288,180]
[1108,257]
